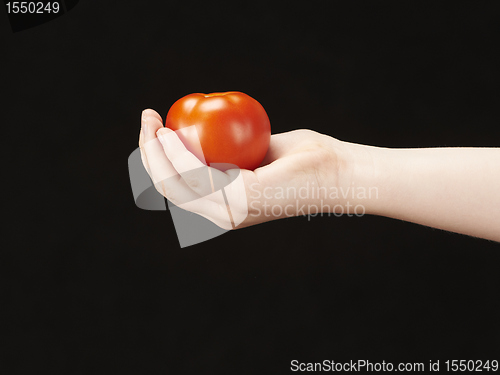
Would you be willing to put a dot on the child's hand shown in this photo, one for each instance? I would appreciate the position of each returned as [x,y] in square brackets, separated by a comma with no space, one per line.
[297,161]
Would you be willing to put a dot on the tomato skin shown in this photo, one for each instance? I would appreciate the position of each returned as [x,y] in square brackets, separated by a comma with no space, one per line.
[232,127]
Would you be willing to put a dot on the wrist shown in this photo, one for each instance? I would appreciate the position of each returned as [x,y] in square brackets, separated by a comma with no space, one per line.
[359,177]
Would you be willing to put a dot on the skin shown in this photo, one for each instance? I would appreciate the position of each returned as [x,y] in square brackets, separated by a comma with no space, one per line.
[304,172]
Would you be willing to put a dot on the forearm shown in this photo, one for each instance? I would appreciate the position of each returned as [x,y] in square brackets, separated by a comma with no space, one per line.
[455,189]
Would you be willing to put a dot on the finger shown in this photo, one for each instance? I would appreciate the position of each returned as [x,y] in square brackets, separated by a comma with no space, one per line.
[143,154]
[150,123]
[145,162]
[148,113]
[151,114]
[200,178]
[164,176]
[165,179]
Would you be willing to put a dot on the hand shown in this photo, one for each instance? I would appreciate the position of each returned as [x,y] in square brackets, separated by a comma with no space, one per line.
[298,164]
[306,173]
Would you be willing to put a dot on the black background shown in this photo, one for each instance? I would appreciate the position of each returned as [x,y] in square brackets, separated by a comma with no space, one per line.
[95,285]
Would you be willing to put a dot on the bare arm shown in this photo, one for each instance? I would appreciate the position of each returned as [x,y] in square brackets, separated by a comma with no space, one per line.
[455,189]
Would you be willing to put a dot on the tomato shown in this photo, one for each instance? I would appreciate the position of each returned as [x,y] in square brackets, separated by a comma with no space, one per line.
[232,127]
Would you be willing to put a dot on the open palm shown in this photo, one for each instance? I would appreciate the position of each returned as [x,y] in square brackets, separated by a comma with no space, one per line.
[237,198]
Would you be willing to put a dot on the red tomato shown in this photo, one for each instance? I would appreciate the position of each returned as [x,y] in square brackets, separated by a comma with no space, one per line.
[232,127]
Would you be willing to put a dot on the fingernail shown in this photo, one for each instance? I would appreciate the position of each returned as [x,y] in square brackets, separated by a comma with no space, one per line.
[160,137]
[144,124]
[161,134]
